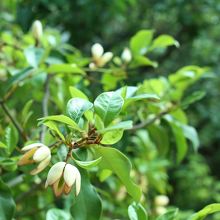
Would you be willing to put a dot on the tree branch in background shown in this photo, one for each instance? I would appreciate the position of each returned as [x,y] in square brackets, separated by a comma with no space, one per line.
[45,105]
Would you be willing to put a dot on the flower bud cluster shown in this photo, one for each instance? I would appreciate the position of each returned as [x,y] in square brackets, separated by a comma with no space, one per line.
[161,202]
[61,176]
[99,57]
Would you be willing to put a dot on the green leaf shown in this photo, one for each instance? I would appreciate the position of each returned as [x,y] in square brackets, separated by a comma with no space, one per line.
[147,97]
[164,41]
[65,68]
[57,214]
[194,97]
[87,204]
[76,108]
[143,61]
[170,215]
[2,145]
[11,137]
[209,209]
[7,204]
[112,137]
[179,138]
[108,105]
[119,164]
[26,113]
[76,93]
[52,125]
[33,56]
[123,125]
[137,212]
[63,119]
[140,42]
[88,164]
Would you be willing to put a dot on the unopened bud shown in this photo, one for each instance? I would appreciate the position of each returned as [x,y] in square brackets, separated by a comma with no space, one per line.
[161,200]
[97,50]
[126,55]
[37,30]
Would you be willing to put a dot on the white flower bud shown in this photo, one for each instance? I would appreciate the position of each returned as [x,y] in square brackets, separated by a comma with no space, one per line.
[97,50]
[36,153]
[161,200]
[92,66]
[107,57]
[37,30]
[62,177]
[160,210]
[126,55]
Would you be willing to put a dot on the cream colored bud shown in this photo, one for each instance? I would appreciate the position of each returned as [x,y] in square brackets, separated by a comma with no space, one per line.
[36,153]
[37,30]
[160,210]
[92,66]
[161,200]
[97,50]
[107,57]
[62,177]
[126,55]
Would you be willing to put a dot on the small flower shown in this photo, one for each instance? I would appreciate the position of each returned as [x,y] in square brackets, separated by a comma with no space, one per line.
[36,153]
[161,200]
[160,210]
[99,57]
[37,30]
[62,176]
[126,55]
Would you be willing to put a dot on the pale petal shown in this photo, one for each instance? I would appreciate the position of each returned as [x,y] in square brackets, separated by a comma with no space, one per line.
[31,146]
[70,174]
[43,164]
[41,153]
[55,172]
[67,189]
[97,50]
[25,159]
[107,57]
[78,182]
[57,188]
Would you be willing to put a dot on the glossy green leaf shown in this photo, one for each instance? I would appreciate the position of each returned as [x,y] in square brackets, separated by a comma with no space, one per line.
[112,137]
[123,125]
[76,107]
[209,209]
[169,215]
[7,204]
[11,138]
[194,97]
[57,214]
[140,42]
[63,119]
[76,93]
[65,68]
[88,164]
[164,41]
[2,145]
[26,113]
[34,55]
[119,164]
[87,205]
[108,105]
[143,61]
[137,212]
[52,125]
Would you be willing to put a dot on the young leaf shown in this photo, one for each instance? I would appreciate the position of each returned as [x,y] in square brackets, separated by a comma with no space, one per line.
[63,119]
[76,108]
[88,164]
[33,55]
[164,41]
[11,136]
[53,126]
[137,212]
[76,93]
[112,137]
[140,42]
[209,209]
[108,105]
[123,125]
[57,214]
[7,204]
[87,204]
[119,164]
[170,215]
[65,68]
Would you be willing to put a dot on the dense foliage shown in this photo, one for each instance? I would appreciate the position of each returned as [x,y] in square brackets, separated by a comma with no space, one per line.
[118,122]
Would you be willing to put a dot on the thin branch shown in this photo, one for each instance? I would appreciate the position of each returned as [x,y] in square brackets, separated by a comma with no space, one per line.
[45,105]
[14,121]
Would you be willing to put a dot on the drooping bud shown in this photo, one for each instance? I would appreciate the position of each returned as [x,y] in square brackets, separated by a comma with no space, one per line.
[161,200]
[126,55]
[37,153]
[37,30]
[62,177]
